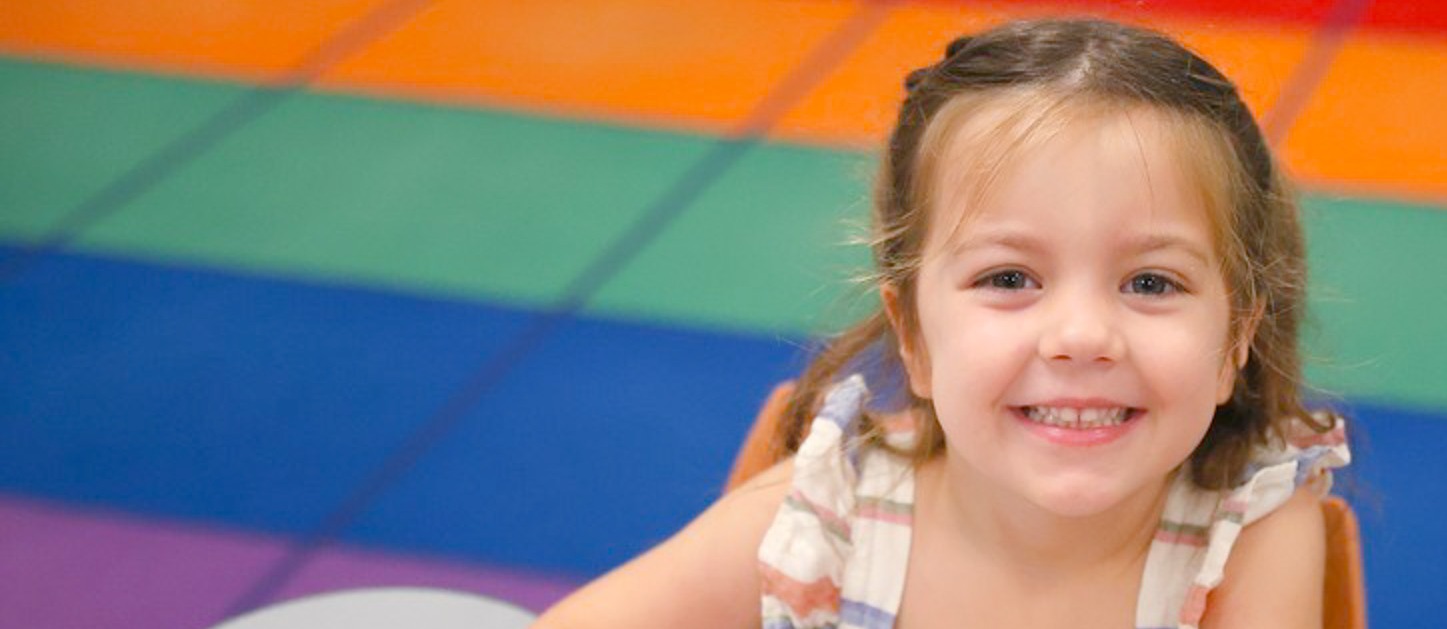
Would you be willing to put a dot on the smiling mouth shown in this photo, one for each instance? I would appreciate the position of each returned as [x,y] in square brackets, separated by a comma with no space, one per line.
[1079,418]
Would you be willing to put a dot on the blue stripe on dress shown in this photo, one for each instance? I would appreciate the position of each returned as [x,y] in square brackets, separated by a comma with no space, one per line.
[861,614]
[1306,462]
[785,623]
[842,404]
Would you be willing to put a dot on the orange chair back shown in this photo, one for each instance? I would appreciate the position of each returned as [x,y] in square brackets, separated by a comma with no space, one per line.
[1346,591]
[1345,596]
[759,452]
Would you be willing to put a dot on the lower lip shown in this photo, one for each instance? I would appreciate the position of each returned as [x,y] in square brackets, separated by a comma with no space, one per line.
[1077,437]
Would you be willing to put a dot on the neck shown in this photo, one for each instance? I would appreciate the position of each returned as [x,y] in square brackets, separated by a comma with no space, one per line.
[1041,543]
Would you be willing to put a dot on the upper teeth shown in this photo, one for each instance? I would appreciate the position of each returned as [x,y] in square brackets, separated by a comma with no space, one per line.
[1076,417]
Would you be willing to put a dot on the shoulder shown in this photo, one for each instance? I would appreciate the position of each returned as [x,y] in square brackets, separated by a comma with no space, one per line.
[704,576]
[1275,571]
[754,502]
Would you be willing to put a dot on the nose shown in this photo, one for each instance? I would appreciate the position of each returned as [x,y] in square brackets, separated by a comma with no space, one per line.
[1082,329]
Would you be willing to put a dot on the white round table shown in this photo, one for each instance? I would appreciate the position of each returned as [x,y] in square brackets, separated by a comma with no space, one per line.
[386,608]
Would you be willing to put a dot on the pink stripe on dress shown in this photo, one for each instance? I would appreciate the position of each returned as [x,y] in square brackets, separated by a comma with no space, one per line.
[801,598]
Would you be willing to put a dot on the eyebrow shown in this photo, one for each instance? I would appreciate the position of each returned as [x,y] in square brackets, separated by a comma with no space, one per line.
[1157,242]
[1022,241]
[1009,239]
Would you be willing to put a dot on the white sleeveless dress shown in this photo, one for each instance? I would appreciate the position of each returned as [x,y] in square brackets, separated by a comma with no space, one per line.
[837,552]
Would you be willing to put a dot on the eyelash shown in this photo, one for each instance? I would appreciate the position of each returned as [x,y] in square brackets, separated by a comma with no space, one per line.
[1169,286]
[989,281]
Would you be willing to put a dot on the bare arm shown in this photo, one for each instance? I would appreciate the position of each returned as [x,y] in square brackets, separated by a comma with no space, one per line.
[705,576]
[1275,574]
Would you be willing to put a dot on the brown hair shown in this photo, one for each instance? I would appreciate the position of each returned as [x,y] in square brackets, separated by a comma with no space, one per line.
[1254,208]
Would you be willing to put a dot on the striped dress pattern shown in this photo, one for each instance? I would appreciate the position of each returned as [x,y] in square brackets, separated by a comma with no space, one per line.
[837,551]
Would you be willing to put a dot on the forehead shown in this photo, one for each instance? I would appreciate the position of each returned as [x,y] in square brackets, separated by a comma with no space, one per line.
[1076,163]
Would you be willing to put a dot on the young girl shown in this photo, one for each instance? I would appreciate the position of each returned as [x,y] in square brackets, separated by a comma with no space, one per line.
[1091,274]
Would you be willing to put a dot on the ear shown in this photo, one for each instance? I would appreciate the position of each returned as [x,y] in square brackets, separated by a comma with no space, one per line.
[1242,350]
[916,361]
[1239,354]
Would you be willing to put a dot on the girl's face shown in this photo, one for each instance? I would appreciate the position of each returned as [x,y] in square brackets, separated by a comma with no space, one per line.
[1073,330]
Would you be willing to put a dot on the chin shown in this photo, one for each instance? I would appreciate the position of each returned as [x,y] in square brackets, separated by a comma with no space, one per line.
[1077,498]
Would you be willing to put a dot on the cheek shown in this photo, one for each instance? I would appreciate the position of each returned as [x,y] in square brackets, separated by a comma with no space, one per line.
[1183,363]
[974,357]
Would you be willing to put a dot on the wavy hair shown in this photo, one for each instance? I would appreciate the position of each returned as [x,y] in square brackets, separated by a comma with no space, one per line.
[1051,63]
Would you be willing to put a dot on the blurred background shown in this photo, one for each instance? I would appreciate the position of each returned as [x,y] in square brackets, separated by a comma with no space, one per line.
[297,296]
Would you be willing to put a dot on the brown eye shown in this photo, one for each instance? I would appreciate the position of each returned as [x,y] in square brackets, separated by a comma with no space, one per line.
[1008,280]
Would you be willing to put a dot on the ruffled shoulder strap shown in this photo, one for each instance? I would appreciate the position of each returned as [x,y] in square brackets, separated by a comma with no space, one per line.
[838,550]
[804,552]
[1304,458]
